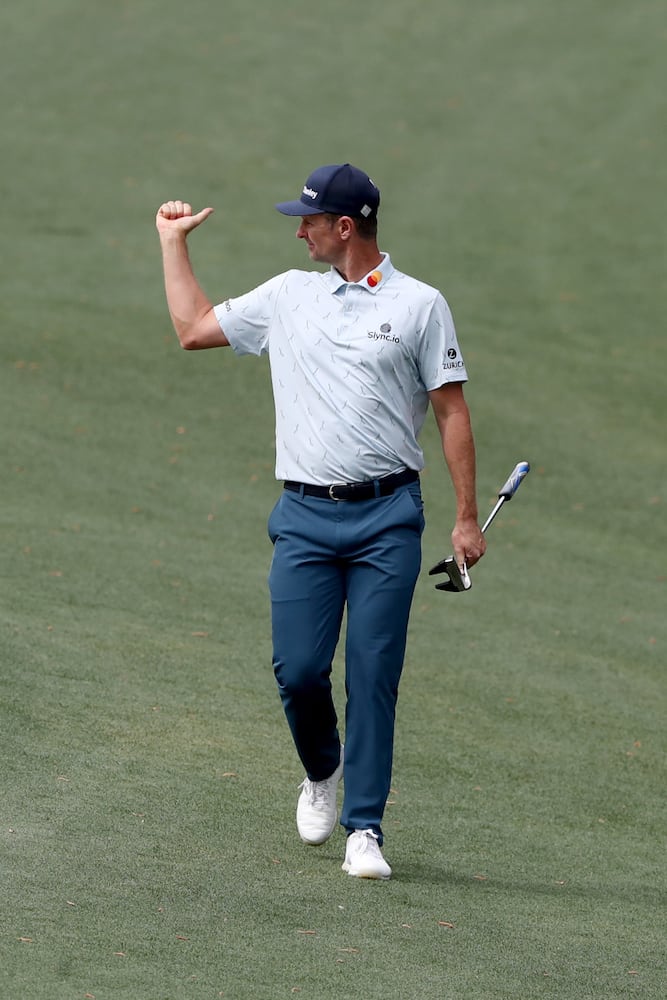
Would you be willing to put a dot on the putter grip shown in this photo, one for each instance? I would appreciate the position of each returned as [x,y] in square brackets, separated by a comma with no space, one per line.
[514,482]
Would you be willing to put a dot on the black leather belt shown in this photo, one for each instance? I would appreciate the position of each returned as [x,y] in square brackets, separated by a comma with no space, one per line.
[383,487]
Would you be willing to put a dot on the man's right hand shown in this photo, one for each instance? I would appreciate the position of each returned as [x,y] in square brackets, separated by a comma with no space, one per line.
[190,309]
[177,217]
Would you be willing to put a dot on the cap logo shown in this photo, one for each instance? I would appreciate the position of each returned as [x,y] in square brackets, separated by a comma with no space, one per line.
[366,211]
[374,278]
[310,192]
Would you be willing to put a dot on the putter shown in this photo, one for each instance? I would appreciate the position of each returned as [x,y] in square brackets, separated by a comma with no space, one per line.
[458,576]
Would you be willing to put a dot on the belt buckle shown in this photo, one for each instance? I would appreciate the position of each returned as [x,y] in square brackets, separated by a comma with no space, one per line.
[332,488]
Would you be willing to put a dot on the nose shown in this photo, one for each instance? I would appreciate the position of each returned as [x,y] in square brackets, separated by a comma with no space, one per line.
[301,232]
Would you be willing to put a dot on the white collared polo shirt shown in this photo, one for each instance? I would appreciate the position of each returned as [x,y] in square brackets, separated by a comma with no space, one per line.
[351,366]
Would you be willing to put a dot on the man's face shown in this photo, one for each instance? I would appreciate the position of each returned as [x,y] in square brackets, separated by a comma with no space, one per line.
[322,238]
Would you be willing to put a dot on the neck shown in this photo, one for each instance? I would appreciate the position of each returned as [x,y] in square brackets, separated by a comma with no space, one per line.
[358,261]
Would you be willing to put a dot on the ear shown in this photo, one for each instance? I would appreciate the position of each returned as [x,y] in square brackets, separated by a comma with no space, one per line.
[346,227]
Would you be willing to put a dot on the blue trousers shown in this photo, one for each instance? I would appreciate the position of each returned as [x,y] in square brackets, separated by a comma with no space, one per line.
[330,555]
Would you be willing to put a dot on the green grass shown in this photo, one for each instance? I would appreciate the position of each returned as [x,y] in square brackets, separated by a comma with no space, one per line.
[148,849]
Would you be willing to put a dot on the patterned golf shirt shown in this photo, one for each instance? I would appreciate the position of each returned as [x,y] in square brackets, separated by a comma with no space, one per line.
[351,365]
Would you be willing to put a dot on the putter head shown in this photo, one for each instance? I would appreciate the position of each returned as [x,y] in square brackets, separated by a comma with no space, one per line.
[459,578]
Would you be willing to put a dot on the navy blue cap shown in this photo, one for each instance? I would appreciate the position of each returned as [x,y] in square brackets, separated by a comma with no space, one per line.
[340,189]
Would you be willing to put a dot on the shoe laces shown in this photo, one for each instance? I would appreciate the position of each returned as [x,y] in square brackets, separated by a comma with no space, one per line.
[316,792]
[367,843]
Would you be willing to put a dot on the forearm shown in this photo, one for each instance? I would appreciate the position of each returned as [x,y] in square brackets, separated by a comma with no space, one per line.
[453,419]
[459,450]
[186,301]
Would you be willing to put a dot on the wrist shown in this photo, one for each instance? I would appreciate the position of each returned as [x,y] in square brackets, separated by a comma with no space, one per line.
[468,516]
[176,238]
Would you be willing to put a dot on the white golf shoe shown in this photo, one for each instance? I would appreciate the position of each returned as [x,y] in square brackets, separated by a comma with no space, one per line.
[316,810]
[363,856]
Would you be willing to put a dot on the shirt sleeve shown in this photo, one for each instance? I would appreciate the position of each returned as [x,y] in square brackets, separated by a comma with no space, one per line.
[246,320]
[440,359]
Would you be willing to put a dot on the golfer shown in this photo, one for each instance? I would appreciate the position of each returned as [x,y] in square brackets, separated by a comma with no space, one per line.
[357,353]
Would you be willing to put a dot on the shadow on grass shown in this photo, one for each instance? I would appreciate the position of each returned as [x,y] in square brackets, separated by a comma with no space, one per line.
[422,873]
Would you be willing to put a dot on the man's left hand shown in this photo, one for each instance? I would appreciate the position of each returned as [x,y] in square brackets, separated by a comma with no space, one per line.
[468,542]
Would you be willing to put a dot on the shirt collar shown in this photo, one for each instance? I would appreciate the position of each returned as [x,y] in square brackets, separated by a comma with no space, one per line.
[371,281]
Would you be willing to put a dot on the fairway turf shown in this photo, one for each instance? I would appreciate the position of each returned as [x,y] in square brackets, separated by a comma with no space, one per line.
[148,849]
